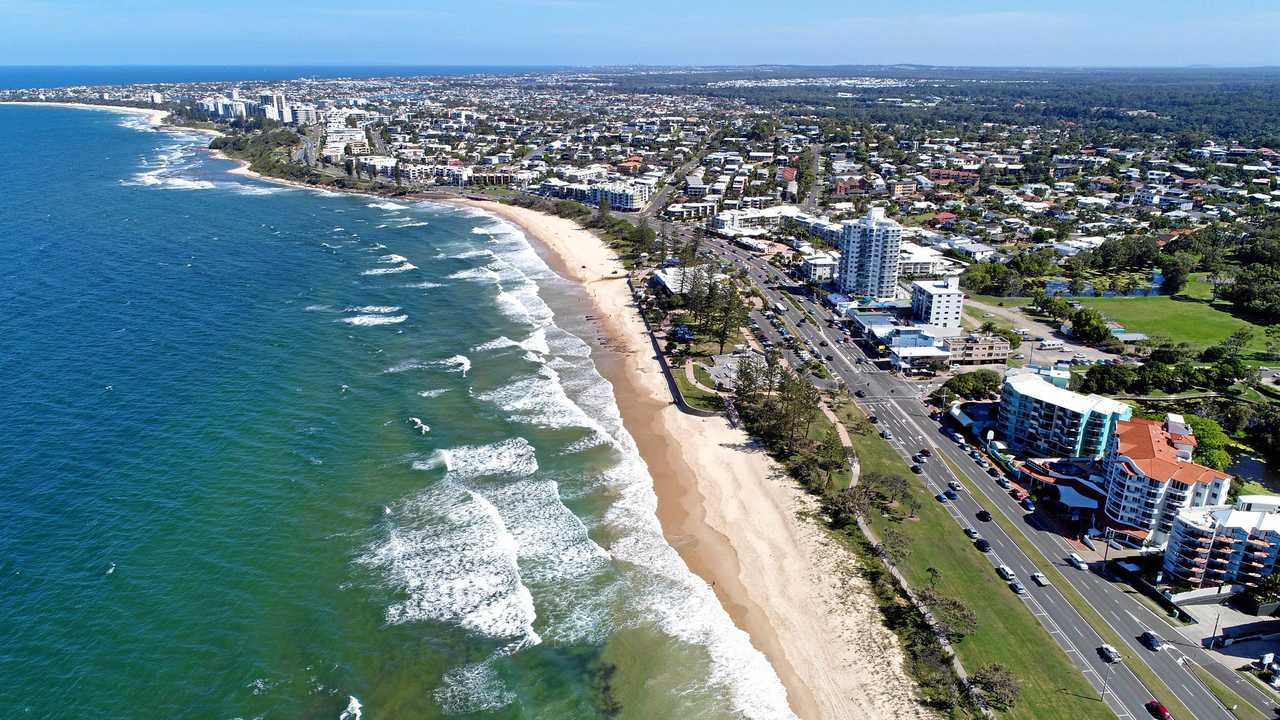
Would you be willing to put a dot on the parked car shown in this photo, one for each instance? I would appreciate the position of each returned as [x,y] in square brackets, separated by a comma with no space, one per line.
[1028,505]
[859,393]
[873,419]
[917,469]
[940,498]
[1152,641]
[1040,579]
[1004,482]
[955,485]
[1109,653]
[1018,587]
[1005,572]
[926,452]
[972,533]
[951,494]
[993,472]
[982,544]
[886,435]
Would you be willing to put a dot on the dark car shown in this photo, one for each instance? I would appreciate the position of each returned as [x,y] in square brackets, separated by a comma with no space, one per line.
[926,452]
[917,469]
[859,393]
[951,494]
[984,515]
[982,545]
[873,419]
[1152,641]
[993,472]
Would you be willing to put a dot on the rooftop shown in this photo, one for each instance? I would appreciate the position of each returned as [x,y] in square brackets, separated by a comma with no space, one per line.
[1035,386]
[1151,448]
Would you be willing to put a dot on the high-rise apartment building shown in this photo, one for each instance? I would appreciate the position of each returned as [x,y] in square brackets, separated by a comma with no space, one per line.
[870,250]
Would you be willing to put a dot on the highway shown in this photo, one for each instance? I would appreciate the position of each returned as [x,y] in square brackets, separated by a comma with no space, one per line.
[900,409]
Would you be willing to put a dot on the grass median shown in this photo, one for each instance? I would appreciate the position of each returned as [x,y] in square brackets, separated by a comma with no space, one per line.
[1142,671]
[1006,632]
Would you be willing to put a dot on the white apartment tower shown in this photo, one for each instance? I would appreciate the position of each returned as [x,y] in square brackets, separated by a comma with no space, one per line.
[869,255]
[938,302]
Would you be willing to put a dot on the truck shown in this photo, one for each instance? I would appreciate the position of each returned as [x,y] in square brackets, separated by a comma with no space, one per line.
[1049,345]
[782,310]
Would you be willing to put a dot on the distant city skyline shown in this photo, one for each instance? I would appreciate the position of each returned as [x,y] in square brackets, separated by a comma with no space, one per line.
[661,32]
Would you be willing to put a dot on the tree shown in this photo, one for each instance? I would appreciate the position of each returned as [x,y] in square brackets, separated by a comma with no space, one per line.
[953,618]
[605,209]
[974,385]
[934,574]
[846,506]
[996,685]
[1211,442]
[749,379]
[731,314]
[1109,379]
[895,545]
[1175,269]
[1088,325]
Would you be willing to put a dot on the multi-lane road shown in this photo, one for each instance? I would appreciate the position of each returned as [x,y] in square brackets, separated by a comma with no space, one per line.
[899,407]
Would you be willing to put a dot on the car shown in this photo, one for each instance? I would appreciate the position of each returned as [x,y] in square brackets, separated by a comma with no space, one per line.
[955,485]
[993,472]
[984,515]
[951,494]
[1018,587]
[926,452]
[917,458]
[1028,505]
[859,393]
[917,469]
[1152,640]
[1077,562]
[1003,482]
[1109,653]
[983,463]
[940,498]
[1005,572]
[823,343]
[975,454]
[886,434]
[873,419]
[982,545]
[1040,579]
[829,357]
[1158,710]
[972,533]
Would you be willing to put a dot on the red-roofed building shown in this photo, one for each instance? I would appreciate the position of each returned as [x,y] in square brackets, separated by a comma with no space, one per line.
[1151,477]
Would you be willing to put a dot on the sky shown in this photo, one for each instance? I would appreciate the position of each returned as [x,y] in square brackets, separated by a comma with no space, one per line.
[654,32]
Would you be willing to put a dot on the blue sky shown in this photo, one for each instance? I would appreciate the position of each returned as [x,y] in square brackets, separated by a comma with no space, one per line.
[584,32]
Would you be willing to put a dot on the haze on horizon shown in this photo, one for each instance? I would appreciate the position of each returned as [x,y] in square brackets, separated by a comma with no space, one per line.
[659,32]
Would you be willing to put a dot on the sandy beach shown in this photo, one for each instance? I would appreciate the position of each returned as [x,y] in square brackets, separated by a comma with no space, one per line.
[734,518]
[154,117]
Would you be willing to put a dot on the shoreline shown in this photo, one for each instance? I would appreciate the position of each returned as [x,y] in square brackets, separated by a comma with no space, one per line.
[731,514]
[154,116]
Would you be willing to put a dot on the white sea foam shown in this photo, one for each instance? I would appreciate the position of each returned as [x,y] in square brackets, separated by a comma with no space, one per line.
[373,309]
[317,308]
[467,254]
[482,274]
[353,711]
[390,206]
[393,258]
[419,223]
[461,363]
[536,343]
[472,688]
[420,426]
[434,393]
[424,285]
[366,320]
[404,267]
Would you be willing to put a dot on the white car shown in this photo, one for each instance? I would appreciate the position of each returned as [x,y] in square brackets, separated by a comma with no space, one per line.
[1040,579]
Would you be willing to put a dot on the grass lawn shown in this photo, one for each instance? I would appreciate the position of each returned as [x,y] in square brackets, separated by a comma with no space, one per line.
[998,301]
[1178,318]
[1006,631]
[695,396]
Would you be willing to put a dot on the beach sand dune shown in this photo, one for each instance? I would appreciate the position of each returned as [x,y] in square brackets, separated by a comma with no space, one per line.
[737,521]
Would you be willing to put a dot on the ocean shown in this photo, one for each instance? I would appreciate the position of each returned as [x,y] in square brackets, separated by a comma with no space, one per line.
[17,77]
[282,453]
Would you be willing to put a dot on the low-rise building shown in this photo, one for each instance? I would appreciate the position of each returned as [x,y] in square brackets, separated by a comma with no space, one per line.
[977,349]
[819,267]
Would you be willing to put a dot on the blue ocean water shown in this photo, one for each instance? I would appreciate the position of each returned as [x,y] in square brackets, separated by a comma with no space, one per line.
[49,76]
[282,453]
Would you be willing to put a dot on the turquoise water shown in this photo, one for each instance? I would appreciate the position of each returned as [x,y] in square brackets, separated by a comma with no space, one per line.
[281,453]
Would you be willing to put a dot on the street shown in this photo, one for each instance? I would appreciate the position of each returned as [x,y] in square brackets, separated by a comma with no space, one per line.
[900,409]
